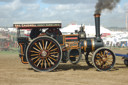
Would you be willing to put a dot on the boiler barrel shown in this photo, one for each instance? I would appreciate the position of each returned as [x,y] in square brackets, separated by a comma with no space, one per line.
[91,44]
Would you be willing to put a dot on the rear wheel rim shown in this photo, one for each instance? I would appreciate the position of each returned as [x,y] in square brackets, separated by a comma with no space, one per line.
[44,54]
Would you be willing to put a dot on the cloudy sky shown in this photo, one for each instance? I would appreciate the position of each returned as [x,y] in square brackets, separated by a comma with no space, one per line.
[68,11]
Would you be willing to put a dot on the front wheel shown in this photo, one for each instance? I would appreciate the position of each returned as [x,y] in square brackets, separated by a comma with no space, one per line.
[103,59]
[44,53]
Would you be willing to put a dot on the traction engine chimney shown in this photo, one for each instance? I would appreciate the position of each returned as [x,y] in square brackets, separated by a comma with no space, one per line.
[97,26]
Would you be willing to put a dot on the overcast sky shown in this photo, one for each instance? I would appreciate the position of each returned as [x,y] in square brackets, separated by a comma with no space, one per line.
[67,11]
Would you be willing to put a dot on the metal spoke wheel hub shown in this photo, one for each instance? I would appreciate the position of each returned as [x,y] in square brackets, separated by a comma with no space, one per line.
[103,59]
[44,53]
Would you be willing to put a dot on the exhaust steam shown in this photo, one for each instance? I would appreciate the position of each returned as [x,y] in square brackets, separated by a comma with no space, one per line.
[105,4]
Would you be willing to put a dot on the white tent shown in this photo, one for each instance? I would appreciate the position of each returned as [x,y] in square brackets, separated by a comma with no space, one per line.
[12,29]
[90,30]
[70,29]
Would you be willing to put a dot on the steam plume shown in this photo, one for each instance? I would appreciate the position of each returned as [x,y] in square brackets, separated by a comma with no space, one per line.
[105,4]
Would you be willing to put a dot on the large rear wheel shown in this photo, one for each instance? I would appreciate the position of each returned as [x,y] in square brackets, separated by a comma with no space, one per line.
[44,53]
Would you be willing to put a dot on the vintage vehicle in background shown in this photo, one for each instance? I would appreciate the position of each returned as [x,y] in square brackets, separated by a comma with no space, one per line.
[4,43]
[47,47]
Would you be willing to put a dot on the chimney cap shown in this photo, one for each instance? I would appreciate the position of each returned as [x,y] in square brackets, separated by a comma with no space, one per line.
[97,15]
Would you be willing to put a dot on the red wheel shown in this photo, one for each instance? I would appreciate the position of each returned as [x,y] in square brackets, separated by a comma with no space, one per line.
[44,53]
[103,59]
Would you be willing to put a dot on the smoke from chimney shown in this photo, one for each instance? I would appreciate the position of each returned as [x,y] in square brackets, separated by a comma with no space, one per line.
[105,4]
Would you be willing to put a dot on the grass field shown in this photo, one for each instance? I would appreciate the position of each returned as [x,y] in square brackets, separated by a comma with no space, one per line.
[13,72]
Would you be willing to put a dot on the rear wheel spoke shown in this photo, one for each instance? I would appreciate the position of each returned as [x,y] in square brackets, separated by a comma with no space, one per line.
[40,45]
[53,49]
[34,58]
[54,52]
[38,62]
[51,61]
[34,54]
[48,63]
[42,64]
[36,49]
[49,45]
[37,46]
[45,64]
[43,43]
[52,58]
[46,44]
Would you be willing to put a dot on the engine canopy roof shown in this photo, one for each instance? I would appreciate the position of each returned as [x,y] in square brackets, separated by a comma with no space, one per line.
[36,25]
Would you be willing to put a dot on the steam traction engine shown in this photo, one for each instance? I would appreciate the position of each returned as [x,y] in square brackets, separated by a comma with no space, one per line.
[45,50]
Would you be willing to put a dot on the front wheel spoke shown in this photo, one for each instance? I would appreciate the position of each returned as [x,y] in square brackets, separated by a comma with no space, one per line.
[98,57]
[109,55]
[109,61]
[109,58]
[100,62]
[37,60]
[106,64]
[98,54]
[101,53]
[103,66]
[36,49]
[96,62]
[104,53]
